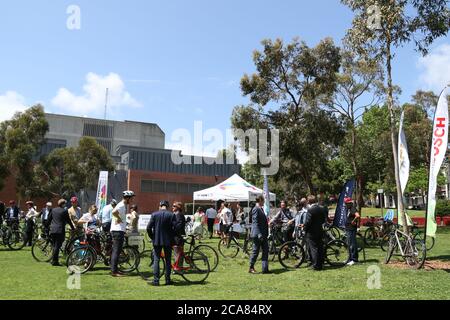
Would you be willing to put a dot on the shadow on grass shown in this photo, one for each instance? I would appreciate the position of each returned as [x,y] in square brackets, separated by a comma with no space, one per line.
[444,257]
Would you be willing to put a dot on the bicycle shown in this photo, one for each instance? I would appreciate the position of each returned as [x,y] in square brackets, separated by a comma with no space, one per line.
[11,236]
[196,272]
[42,248]
[230,246]
[294,253]
[418,234]
[92,250]
[412,251]
[377,232]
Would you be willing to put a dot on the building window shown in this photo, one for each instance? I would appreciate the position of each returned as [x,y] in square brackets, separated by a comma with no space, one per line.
[171,187]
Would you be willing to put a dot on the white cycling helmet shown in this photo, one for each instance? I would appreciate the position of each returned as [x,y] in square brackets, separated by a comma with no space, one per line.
[128,194]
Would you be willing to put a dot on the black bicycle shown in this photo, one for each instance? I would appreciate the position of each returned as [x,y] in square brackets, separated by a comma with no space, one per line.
[11,235]
[294,253]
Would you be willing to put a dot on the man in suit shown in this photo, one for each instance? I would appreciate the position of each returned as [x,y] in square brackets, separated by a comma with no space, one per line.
[45,214]
[12,213]
[161,231]
[315,218]
[58,218]
[259,235]
[2,212]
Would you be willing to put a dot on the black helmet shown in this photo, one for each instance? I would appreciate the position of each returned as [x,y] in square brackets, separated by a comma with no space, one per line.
[164,203]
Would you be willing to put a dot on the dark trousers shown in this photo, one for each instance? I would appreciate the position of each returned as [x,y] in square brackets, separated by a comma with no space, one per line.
[29,232]
[118,238]
[157,257]
[211,227]
[45,229]
[287,233]
[57,239]
[316,251]
[352,245]
[260,244]
[106,227]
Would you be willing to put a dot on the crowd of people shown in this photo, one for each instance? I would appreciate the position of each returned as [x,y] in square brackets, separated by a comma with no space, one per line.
[167,227]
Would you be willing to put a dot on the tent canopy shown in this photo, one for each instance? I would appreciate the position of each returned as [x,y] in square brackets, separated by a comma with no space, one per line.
[235,189]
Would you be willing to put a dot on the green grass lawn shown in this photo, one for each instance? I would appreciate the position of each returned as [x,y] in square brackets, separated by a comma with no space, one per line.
[376,212]
[23,278]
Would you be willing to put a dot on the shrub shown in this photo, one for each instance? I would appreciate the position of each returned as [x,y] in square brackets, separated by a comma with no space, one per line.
[443,208]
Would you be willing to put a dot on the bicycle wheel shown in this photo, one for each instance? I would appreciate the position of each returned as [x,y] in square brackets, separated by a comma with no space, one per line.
[360,242]
[335,233]
[430,240]
[145,267]
[42,250]
[198,269]
[384,243]
[291,255]
[370,237]
[416,254]
[16,240]
[336,253]
[228,249]
[128,259]
[211,254]
[390,249]
[81,260]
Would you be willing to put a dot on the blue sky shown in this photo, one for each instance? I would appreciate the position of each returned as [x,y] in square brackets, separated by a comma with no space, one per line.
[168,62]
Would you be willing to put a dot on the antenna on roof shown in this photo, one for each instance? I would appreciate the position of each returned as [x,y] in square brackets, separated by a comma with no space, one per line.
[106,101]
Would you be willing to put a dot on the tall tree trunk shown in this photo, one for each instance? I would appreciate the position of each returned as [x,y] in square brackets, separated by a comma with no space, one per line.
[358,178]
[400,207]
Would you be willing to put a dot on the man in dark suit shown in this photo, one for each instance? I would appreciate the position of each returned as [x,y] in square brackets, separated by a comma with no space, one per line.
[259,234]
[58,218]
[161,230]
[45,214]
[2,212]
[12,213]
[315,218]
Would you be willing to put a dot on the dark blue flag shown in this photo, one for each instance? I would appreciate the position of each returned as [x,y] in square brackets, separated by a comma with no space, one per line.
[340,217]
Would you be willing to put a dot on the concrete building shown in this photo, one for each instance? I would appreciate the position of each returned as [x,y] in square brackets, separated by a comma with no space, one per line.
[142,163]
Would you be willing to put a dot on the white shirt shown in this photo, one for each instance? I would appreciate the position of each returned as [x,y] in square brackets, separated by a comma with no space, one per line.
[31,214]
[211,213]
[122,209]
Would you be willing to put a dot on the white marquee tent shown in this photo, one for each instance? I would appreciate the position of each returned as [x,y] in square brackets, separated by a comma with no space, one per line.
[234,189]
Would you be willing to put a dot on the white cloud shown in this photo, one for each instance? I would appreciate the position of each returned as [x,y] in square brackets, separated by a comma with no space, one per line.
[10,103]
[92,102]
[436,68]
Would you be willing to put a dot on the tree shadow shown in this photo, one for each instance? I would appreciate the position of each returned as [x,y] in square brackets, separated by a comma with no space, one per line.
[442,257]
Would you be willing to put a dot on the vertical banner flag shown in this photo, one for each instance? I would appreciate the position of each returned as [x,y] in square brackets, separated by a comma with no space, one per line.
[102,190]
[266,195]
[403,162]
[340,216]
[438,151]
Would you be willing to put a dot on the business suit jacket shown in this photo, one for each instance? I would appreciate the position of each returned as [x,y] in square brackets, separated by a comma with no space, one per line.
[315,218]
[16,212]
[42,214]
[57,219]
[260,225]
[161,228]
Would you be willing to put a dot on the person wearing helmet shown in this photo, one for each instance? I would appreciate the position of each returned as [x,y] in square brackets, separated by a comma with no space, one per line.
[30,223]
[351,228]
[105,215]
[118,229]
